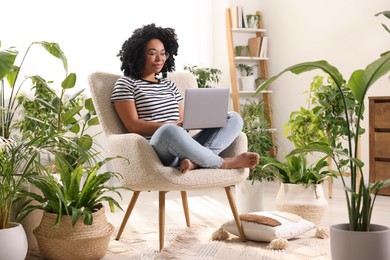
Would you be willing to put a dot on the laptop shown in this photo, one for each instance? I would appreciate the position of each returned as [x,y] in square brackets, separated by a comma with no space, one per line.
[205,108]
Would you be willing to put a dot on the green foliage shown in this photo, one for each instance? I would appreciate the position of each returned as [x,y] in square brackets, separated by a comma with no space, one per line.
[256,128]
[73,191]
[360,198]
[9,73]
[296,170]
[205,76]
[245,69]
[17,162]
[323,120]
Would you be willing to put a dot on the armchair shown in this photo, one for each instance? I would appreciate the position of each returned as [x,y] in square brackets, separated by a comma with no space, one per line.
[145,172]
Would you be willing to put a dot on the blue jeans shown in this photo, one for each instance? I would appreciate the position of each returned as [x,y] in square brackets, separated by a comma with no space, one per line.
[172,143]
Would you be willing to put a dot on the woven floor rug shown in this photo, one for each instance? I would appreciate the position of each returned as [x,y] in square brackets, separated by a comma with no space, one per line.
[195,243]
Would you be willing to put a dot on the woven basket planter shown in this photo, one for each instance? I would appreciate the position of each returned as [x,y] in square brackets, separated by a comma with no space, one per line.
[65,242]
[307,202]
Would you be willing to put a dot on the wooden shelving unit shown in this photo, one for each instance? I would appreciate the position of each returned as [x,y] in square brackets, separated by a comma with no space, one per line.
[261,64]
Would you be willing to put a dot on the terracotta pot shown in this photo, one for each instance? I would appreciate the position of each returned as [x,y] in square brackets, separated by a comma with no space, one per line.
[82,241]
[307,202]
[13,242]
[359,245]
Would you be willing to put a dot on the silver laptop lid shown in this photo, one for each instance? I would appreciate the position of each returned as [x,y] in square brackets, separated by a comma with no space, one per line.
[205,108]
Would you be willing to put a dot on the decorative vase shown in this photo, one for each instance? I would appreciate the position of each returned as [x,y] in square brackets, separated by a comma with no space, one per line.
[248,83]
[13,242]
[307,202]
[249,196]
[64,242]
[359,245]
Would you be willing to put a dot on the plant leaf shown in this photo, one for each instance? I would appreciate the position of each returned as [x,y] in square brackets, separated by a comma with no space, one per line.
[7,60]
[55,50]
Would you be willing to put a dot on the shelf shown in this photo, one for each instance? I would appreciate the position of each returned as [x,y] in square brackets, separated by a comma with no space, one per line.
[247,58]
[254,92]
[248,30]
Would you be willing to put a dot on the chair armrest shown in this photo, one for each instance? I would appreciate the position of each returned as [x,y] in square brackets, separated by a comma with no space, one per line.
[239,145]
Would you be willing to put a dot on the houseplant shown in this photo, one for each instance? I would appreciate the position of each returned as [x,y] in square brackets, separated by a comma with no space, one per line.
[72,199]
[242,51]
[301,189]
[247,76]
[205,77]
[360,198]
[17,161]
[249,194]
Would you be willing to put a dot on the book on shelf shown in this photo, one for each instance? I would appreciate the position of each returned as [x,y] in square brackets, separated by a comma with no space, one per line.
[254,45]
[238,17]
[234,16]
[264,46]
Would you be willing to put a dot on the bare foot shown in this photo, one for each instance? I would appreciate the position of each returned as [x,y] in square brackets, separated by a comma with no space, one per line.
[187,165]
[244,160]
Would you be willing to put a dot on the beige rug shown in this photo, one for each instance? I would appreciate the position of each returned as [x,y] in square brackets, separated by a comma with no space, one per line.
[195,243]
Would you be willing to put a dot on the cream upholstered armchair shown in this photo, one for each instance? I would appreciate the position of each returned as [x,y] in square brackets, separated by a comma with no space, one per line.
[144,171]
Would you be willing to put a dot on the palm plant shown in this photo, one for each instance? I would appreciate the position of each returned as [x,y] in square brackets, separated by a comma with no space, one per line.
[360,198]
[17,162]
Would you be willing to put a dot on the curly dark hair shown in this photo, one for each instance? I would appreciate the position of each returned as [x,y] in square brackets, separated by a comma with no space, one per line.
[132,54]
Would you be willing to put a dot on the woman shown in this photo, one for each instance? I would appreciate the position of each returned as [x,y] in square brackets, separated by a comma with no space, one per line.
[153,107]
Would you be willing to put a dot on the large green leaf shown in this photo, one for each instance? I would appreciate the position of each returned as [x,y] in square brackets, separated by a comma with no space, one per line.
[55,50]
[308,66]
[7,59]
[361,80]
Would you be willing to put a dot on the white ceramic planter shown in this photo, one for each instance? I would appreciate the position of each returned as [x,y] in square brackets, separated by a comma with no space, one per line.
[13,242]
[355,245]
[307,202]
[249,198]
[248,83]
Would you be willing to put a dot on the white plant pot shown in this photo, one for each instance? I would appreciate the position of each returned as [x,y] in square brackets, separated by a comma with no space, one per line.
[13,242]
[248,83]
[31,221]
[249,198]
[359,245]
[308,202]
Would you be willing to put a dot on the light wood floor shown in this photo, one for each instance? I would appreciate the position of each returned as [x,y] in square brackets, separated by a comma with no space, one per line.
[211,208]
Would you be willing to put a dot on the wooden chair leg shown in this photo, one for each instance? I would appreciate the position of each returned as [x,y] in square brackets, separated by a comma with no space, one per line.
[161,217]
[127,214]
[185,207]
[232,203]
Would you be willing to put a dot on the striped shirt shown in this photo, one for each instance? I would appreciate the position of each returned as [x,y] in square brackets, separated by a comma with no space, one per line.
[154,101]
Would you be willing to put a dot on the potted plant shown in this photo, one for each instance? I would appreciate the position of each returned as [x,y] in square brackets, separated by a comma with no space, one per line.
[360,198]
[71,197]
[242,51]
[247,76]
[301,189]
[9,76]
[256,127]
[205,77]
[17,162]
[253,20]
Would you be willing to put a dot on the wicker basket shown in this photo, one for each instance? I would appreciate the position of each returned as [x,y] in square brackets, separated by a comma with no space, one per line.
[65,242]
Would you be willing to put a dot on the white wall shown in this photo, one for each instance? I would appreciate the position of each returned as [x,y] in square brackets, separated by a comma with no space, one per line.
[91,32]
[346,33]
